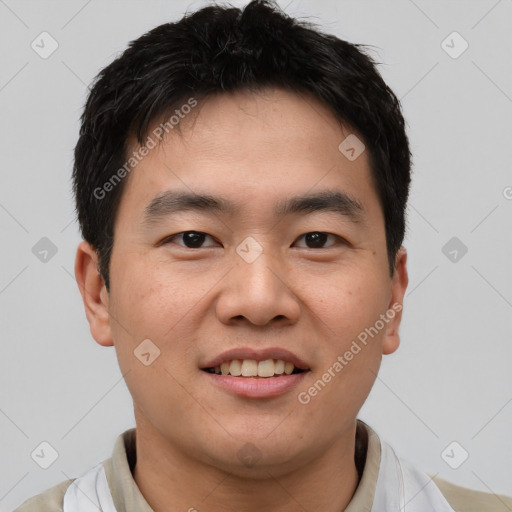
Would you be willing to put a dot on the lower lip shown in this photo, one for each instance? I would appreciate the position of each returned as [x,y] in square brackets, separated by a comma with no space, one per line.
[258,387]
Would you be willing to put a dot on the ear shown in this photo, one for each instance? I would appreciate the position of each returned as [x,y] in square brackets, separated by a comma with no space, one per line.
[94,294]
[399,283]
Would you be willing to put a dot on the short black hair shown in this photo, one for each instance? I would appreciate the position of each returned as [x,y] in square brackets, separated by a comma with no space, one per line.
[222,49]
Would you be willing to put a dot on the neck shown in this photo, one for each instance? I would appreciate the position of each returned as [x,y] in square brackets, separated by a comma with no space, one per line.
[170,479]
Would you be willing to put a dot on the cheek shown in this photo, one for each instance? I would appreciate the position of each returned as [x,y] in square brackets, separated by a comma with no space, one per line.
[351,352]
[152,341]
[347,302]
[151,297]
[159,302]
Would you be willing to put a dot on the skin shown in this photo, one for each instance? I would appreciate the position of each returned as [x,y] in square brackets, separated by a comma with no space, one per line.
[195,303]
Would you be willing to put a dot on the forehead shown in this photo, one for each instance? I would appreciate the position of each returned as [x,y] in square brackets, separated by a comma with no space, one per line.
[253,147]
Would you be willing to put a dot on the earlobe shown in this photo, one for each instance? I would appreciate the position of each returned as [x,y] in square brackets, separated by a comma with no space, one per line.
[399,283]
[94,294]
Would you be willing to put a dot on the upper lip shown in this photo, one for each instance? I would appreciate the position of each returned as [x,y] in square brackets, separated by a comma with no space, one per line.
[257,355]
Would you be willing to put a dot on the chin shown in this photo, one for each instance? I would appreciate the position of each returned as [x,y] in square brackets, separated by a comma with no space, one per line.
[258,456]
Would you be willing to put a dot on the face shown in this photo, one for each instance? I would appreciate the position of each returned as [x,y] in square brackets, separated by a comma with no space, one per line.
[251,237]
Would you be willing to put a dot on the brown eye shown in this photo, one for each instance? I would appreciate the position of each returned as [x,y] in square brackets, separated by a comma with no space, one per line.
[192,239]
[316,240]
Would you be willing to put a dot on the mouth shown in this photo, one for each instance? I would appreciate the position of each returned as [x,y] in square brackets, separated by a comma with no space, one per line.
[250,373]
[256,369]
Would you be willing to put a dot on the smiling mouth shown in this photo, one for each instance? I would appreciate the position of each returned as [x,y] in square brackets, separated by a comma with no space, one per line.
[255,369]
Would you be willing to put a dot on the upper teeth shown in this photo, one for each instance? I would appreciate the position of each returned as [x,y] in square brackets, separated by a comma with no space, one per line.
[252,368]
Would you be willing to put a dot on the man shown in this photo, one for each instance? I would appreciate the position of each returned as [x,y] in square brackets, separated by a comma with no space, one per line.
[241,181]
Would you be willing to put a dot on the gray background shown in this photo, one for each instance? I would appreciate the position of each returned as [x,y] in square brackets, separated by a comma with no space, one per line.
[450,380]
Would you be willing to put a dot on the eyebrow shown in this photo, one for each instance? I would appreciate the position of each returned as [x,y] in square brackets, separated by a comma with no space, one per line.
[332,201]
[169,202]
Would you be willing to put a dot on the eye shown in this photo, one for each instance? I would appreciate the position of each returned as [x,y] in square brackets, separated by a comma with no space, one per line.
[192,239]
[317,240]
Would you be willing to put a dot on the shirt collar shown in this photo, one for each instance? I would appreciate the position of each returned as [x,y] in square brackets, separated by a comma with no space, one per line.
[125,492]
[128,498]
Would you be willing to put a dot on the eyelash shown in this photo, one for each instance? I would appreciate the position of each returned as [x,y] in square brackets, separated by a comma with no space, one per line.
[170,239]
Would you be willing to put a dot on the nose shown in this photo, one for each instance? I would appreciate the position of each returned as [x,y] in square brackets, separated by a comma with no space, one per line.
[257,293]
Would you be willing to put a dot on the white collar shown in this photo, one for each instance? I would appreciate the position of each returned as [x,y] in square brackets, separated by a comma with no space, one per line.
[400,488]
